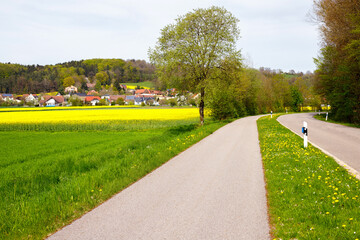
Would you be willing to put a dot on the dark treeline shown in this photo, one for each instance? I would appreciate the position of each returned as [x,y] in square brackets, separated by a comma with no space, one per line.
[19,79]
[338,72]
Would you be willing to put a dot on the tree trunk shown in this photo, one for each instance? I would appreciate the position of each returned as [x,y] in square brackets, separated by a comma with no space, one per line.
[201,105]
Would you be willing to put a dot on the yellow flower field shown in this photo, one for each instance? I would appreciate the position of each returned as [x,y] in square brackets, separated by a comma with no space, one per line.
[135,86]
[78,116]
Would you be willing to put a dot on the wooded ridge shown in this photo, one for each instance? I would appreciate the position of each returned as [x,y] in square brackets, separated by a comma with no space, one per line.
[20,79]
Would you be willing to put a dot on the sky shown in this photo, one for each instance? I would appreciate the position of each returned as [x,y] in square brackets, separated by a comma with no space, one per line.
[274,33]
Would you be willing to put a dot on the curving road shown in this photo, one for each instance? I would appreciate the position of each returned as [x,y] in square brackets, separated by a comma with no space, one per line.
[340,141]
[213,190]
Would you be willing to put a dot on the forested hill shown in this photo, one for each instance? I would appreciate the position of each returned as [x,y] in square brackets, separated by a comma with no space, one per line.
[19,79]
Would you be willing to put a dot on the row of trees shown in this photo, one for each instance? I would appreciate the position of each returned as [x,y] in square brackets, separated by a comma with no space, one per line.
[19,79]
[338,72]
[246,91]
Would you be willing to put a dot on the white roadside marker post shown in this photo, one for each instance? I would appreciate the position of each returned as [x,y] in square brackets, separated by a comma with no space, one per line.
[271,114]
[327,113]
[305,132]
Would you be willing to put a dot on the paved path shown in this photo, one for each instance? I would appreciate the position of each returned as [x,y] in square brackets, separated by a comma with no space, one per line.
[340,141]
[213,190]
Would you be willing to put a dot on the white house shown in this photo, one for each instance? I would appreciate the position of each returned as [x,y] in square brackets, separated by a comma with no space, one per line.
[71,89]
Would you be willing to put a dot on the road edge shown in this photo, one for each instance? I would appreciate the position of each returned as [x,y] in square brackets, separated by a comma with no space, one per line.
[350,170]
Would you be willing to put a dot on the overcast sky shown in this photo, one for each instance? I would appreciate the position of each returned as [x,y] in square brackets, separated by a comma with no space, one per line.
[274,33]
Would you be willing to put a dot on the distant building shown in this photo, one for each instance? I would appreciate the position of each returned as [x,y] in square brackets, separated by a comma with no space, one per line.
[51,101]
[71,89]
[93,100]
[92,92]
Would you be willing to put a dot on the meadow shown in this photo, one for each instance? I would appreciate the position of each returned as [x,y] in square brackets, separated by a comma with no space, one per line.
[54,171]
[145,85]
[309,195]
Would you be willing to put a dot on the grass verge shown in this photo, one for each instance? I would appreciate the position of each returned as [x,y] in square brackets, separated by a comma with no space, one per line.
[50,178]
[322,117]
[309,195]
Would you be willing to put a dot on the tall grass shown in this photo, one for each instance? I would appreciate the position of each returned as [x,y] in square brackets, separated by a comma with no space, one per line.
[51,177]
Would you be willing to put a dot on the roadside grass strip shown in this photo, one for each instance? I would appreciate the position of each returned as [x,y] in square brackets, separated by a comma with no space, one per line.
[50,178]
[322,117]
[309,195]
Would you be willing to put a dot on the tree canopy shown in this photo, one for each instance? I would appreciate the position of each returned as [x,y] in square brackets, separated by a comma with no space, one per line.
[19,79]
[190,53]
[338,65]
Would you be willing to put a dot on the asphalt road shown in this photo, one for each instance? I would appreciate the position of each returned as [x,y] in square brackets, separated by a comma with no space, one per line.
[213,190]
[340,141]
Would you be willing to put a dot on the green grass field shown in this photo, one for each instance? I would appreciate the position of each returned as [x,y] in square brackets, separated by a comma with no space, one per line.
[147,84]
[309,195]
[51,174]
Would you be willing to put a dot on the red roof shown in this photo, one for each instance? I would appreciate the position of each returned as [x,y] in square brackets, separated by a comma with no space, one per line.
[58,99]
[89,99]
[142,91]
[116,97]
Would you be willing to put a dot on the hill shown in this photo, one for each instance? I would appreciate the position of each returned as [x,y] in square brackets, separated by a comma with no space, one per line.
[105,73]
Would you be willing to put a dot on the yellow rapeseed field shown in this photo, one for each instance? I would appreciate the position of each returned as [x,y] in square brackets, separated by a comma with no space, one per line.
[72,116]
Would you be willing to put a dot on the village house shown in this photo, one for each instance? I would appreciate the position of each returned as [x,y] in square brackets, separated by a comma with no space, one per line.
[114,98]
[52,101]
[7,97]
[92,92]
[81,96]
[92,100]
[130,99]
[142,91]
[71,89]
[31,98]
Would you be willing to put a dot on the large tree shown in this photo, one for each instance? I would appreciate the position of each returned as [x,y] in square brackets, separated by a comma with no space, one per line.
[338,71]
[192,50]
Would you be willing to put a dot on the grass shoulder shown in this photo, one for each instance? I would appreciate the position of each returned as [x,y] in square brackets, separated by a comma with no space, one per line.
[309,195]
[322,117]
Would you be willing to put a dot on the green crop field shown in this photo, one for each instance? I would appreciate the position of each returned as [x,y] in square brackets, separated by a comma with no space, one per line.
[52,173]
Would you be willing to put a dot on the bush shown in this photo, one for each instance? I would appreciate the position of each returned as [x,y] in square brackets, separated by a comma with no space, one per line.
[172,102]
[120,101]
[163,102]
[75,101]
[192,102]
[222,105]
